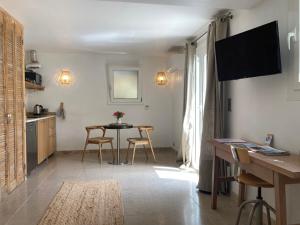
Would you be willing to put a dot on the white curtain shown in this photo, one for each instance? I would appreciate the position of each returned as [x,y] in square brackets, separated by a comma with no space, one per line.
[188,131]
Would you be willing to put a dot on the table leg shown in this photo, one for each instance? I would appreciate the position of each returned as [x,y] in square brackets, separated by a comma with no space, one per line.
[280,199]
[242,189]
[118,146]
[214,186]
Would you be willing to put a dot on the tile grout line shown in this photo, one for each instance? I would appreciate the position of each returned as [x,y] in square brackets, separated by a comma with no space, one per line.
[28,198]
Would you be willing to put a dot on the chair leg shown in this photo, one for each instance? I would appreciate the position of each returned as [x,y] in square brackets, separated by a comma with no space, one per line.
[100,152]
[239,214]
[237,222]
[268,216]
[151,147]
[127,153]
[250,219]
[269,209]
[146,152]
[112,151]
[242,206]
[134,148]
[259,213]
[83,152]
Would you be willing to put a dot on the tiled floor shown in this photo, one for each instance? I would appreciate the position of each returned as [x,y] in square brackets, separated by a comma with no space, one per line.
[153,194]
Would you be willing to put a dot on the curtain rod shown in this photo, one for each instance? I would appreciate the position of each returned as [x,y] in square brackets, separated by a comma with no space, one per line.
[198,38]
[226,16]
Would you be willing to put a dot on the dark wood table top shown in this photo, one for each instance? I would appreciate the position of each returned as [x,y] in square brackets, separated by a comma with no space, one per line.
[118,126]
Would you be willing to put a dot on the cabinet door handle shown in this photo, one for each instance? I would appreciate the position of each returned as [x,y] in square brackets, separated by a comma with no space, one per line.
[8,117]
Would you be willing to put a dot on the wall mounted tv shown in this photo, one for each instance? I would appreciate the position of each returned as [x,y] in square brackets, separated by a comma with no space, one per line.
[249,54]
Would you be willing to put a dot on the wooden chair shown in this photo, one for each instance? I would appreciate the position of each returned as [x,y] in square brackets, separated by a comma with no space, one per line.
[141,141]
[98,140]
[242,158]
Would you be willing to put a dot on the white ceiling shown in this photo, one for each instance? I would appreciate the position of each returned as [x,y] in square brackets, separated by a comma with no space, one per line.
[114,26]
[227,4]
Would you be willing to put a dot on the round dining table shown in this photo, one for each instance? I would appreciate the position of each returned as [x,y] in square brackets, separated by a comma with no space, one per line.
[118,127]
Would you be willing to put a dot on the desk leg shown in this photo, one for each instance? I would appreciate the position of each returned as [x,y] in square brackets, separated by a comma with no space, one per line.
[214,186]
[280,199]
[118,146]
[242,189]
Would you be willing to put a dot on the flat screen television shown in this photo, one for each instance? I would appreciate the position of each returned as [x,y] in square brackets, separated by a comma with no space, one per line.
[249,54]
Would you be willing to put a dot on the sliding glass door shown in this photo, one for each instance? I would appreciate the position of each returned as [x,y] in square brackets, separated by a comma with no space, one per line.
[201,58]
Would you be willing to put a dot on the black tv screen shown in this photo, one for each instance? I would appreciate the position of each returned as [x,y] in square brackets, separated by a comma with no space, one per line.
[249,54]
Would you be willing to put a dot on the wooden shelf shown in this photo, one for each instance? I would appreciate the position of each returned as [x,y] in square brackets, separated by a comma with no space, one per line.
[29,85]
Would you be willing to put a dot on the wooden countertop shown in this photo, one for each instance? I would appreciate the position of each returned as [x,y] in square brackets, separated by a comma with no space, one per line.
[287,165]
[42,117]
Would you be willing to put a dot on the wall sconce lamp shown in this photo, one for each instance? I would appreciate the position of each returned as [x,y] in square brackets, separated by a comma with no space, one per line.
[161,78]
[65,78]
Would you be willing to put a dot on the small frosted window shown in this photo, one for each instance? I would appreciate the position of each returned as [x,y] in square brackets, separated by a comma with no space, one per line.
[125,84]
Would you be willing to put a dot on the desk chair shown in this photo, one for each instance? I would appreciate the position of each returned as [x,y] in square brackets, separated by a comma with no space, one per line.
[141,141]
[241,157]
[98,140]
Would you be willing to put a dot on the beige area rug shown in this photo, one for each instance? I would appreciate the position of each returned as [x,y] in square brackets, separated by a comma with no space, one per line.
[86,203]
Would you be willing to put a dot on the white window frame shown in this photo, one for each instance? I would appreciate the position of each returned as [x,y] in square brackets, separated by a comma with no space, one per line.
[110,79]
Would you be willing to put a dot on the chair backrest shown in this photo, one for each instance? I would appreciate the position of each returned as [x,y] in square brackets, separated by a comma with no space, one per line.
[241,157]
[97,127]
[147,129]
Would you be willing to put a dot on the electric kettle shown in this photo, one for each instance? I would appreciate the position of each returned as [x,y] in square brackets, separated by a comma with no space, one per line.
[38,110]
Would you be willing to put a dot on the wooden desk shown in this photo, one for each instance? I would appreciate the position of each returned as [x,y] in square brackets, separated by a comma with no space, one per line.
[277,170]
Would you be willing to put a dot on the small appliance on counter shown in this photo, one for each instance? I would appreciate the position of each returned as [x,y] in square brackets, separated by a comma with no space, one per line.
[38,109]
[33,77]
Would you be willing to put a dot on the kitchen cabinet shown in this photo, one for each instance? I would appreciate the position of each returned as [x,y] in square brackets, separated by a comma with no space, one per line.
[42,139]
[12,110]
[46,138]
[52,136]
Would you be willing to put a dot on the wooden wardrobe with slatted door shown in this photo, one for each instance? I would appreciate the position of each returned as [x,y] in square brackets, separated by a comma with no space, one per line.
[12,107]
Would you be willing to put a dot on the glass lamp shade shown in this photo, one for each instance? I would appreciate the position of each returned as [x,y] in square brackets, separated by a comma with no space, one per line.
[161,78]
[65,78]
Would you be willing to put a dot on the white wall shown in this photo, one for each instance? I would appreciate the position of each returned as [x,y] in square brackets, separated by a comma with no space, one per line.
[259,105]
[176,61]
[86,101]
